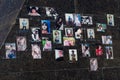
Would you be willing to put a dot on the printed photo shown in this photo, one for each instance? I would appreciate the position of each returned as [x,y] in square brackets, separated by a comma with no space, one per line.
[101,27]
[45,26]
[77,20]
[93,64]
[57,37]
[78,33]
[47,44]
[34,11]
[10,50]
[110,20]
[99,50]
[90,33]
[68,32]
[35,34]
[69,41]
[59,24]
[24,23]
[87,20]
[109,52]
[59,55]
[73,55]
[69,19]
[36,51]
[21,43]
[85,50]
[107,39]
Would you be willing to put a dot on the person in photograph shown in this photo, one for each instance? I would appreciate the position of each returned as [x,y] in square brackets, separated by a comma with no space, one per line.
[70,21]
[21,43]
[56,37]
[35,35]
[100,28]
[110,20]
[93,64]
[69,32]
[33,11]
[87,20]
[36,52]
[73,59]
[77,20]
[91,34]
[85,51]
[108,40]
[59,24]
[99,50]
[47,45]
[24,24]
[69,41]
[78,34]
[109,53]
[59,55]
[44,28]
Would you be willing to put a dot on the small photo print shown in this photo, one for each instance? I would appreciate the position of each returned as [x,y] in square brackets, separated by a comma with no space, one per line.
[59,25]
[73,55]
[85,50]
[35,34]
[69,19]
[109,52]
[78,33]
[57,38]
[99,50]
[107,40]
[101,27]
[69,41]
[24,23]
[90,33]
[110,19]
[87,20]
[34,11]
[68,32]
[10,50]
[93,64]
[59,55]
[21,43]
[36,51]
[47,44]
[45,25]
[77,20]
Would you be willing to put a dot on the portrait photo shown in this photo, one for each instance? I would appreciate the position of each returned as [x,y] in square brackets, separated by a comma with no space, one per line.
[79,33]
[73,55]
[99,50]
[107,40]
[34,11]
[101,27]
[68,32]
[85,50]
[23,23]
[57,37]
[59,25]
[110,20]
[59,56]
[69,19]
[68,41]
[77,20]
[109,52]
[90,33]
[93,64]
[87,20]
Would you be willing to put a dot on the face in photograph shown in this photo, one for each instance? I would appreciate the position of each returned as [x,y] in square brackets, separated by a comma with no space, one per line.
[79,33]
[93,64]
[101,27]
[57,37]
[85,50]
[21,43]
[90,33]
[59,55]
[107,39]
[24,23]
[99,50]
[110,19]
[73,55]
[34,11]
[47,44]
[69,32]
[35,34]
[69,19]
[69,41]
[77,20]
[36,51]
[87,20]
[45,25]
[10,50]
[109,52]
[59,24]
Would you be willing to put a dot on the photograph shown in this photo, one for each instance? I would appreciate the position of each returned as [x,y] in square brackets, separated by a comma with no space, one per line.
[57,37]
[68,32]
[107,40]
[99,50]
[23,23]
[34,11]
[101,27]
[69,19]
[93,64]
[21,43]
[77,20]
[79,33]
[59,25]
[109,52]
[90,34]
[35,34]
[59,56]
[110,20]
[85,50]
[86,20]
[36,51]
[68,41]
[73,55]
[45,26]
[10,50]
[46,44]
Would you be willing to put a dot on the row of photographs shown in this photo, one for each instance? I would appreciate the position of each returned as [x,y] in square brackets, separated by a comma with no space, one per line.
[70,18]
